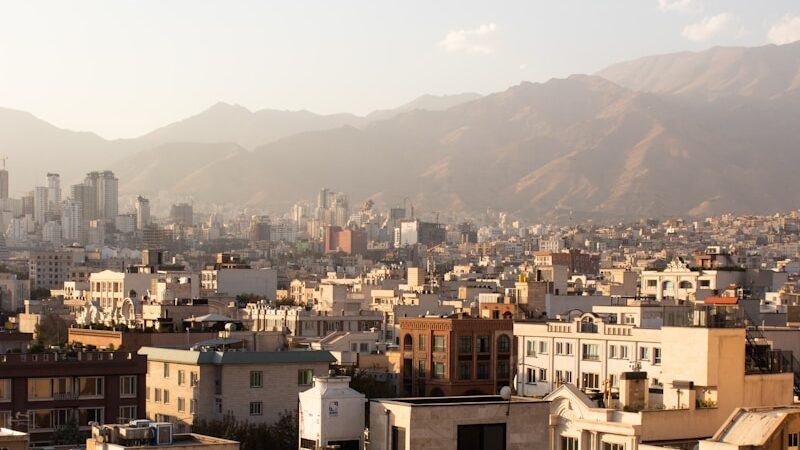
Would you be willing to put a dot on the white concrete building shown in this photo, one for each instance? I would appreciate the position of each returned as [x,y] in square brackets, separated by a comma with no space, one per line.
[331,414]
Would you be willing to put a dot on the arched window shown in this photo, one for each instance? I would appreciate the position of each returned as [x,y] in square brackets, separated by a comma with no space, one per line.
[685,285]
[503,344]
[667,285]
[408,343]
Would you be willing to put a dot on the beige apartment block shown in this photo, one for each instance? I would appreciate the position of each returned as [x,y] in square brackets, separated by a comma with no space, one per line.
[187,385]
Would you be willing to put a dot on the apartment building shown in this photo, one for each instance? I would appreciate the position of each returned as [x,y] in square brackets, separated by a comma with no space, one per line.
[49,269]
[51,389]
[690,367]
[254,386]
[304,323]
[109,288]
[455,355]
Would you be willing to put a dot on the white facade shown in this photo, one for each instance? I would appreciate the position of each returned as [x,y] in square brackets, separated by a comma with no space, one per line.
[72,221]
[331,413]
[261,282]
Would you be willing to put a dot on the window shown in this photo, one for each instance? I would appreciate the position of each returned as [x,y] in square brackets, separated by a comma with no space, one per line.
[438,370]
[422,342]
[590,381]
[612,381]
[40,388]
[465,344]
[305,377]
[166,370]
[481,437]
[563,376]
[256,379]
[193,379]
[611,446]
[147,393]
[483,370]
[623,352]
[256,408]
[353,347]
[181,377]
[86,415]
[157,395]
[652,283]
[192,406]
[166,397]
[502,369]
[792,439]
[629,319]
[612,351]
[590,352]
[482,344]
[420,368]
[569,443]
[41,419]
[644,353]
[91,386]
[438,343]
[503,344]
[398,438]
[181,404]
[543,347]
[530,376]
[563,348]
[656,355]
[464,370]
[567,348]
[542,374]
[218,405]
[530,348]
[5,419]
[705,284]
[127,413]
[127,386]
[5,390]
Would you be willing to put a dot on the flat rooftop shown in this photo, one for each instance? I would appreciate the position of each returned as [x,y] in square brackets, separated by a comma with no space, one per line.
[457,400]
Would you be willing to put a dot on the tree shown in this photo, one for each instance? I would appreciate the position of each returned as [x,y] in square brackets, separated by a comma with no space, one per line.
[68,434]
[281,435]
[52,330]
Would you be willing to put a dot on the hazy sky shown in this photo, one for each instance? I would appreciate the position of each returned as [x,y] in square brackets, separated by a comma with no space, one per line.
[122,68]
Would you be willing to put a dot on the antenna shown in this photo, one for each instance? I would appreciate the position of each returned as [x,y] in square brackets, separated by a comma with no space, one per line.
[4,158]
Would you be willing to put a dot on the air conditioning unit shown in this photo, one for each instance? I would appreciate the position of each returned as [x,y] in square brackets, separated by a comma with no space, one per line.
[163,433]
[140,423]
[137,433]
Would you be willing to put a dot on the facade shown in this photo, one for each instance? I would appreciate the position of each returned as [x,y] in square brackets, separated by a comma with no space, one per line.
[349,241]
[455,356]
[108,288]
[253,386]
[49,269]
[680,282]
[52,389]
[300,322]
[106,198]
[415,231]
[182,213]
[621,375]
[235,281]
[464,423]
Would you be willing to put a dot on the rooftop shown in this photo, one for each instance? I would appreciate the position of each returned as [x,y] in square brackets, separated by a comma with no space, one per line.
[457,400]
[236,357]
[753,426]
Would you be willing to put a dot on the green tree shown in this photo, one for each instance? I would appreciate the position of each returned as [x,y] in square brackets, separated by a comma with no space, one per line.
[68,434]
[52,330]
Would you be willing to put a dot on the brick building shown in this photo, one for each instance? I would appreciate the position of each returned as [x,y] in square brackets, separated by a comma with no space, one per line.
[456,355]
[40,392]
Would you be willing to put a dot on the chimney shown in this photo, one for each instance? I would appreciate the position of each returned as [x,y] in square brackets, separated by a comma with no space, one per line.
[634,390]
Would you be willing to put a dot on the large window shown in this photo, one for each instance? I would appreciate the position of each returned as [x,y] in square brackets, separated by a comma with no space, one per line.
[530,348]
[91,386]
[256,408]
[564,376]
[194,378]
[792,439]
[422,339]
[644,353]
[502,369]
[482,344]
[590,380]
[613,446]
[421,368]
[305,377]
[482,437]
[464,370]
[86,415]
[127,386]
[656,355]
[590,352]
[181,377]
[127,413]
[503,344]
[438,343]
[256,379]
[5,390]
[483,371]
[465,344]
[398,438]
[40,388]
[438,370]
[569,443]
[181,404]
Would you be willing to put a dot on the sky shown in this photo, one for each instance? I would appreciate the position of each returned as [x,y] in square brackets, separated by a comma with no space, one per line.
[124,68]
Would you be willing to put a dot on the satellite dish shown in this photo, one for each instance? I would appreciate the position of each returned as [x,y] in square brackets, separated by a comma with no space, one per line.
[505,392]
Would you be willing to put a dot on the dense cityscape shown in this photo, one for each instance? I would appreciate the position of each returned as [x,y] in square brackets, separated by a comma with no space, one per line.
[581,233]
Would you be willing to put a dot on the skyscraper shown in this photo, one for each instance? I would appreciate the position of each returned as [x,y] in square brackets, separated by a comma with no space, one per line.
[106,188]
[40,203]
[142,212]
[54,191]
[72,223]
[182,213]
[87,197]
[3,181]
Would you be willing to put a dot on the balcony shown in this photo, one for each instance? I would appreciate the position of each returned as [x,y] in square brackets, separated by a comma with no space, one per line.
[65,396]
[704,316]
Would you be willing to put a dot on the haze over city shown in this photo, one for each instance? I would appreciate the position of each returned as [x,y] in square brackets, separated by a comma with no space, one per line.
[352,225]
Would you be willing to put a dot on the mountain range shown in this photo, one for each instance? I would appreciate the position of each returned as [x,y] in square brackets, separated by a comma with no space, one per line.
[678,134]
